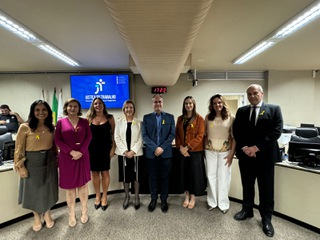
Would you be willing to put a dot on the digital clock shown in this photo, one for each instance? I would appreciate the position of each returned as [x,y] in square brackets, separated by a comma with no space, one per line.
[158,90]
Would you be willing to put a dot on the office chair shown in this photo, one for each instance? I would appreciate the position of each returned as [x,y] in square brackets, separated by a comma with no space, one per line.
[3,129]
[5,136]
[307,125]
[307,132]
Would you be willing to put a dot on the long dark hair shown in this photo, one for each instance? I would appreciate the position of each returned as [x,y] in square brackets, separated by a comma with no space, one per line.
[225,112]
[184,111]
[33,121]
[92,112]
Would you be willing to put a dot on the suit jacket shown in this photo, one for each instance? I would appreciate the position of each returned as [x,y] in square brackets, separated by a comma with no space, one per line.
[149,134]
[194,134]
[264,135]
[120,137]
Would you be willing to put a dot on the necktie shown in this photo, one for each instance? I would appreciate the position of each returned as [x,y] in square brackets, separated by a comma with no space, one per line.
[253,116]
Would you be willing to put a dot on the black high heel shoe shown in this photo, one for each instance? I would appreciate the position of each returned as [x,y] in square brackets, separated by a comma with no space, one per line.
[126,202]
[104,207]
[97,206]
[137,206]
[137,203]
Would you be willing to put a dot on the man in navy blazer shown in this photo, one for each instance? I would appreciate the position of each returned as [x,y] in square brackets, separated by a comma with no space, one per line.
[158,131]
[256,130]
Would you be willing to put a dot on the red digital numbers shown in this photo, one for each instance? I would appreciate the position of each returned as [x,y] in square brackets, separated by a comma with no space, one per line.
[158,90]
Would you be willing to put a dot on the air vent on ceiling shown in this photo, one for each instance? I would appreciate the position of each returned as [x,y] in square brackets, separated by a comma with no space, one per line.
[232,75]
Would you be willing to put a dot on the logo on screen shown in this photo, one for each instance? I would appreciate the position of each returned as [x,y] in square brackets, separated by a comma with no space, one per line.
[99,86]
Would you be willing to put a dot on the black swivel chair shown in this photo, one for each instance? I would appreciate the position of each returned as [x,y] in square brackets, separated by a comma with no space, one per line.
[307,125]
[307,132]
[5,136]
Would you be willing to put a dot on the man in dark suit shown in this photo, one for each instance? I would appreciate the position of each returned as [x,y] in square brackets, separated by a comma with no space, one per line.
[158,131]
[256,130]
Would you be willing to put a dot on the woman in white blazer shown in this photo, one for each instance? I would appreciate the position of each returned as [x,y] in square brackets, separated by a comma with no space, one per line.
[128,140]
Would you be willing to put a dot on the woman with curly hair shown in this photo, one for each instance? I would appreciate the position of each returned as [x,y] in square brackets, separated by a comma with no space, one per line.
[219,152]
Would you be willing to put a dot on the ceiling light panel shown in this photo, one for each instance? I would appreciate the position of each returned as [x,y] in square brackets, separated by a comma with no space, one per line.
[26,34]
[306,16]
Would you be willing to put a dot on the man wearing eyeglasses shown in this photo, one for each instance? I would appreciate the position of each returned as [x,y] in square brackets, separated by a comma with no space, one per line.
[158,131]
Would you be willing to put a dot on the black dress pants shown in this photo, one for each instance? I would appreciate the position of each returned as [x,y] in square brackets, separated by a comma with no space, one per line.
[262,171]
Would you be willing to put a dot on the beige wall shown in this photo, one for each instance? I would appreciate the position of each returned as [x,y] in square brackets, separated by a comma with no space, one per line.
[20,90]
[297,92]
[174,98]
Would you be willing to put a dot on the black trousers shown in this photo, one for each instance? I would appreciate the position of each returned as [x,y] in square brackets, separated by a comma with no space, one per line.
[159,169]
[262,171]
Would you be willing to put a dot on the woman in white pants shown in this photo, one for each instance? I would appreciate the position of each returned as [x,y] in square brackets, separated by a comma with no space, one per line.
[219,152]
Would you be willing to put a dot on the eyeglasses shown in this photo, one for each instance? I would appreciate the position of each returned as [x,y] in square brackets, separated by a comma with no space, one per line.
[155,102]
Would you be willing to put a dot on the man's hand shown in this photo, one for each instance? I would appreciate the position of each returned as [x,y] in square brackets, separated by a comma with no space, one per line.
[250,151]
[158,151]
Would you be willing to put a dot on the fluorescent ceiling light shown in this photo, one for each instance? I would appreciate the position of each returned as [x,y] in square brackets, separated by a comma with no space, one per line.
[303,18]
[26,34]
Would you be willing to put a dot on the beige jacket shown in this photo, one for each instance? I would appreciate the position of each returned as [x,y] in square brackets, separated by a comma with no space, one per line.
[121,139]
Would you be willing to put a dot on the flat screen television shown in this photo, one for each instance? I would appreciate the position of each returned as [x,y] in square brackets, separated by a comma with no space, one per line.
[113,89]
[305,151]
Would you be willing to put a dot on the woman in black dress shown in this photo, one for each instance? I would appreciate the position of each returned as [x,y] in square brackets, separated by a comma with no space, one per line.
[101,149]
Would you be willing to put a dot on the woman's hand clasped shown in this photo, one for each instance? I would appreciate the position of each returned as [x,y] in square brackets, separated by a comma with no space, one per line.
[184,151]
[76,155]
[129,154]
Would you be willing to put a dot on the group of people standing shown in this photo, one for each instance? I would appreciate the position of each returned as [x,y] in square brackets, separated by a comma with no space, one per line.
[37,158]
[206,148]
[210,139]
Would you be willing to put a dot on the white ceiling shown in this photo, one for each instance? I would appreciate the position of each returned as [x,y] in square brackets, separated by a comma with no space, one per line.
[85,30]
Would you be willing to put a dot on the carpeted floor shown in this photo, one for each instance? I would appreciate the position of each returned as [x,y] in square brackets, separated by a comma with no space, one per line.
[178,223]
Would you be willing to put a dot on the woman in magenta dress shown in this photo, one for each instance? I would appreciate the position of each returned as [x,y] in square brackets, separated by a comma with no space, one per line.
[73,136]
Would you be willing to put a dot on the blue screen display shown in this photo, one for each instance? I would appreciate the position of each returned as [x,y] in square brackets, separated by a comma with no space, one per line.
[113,89]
